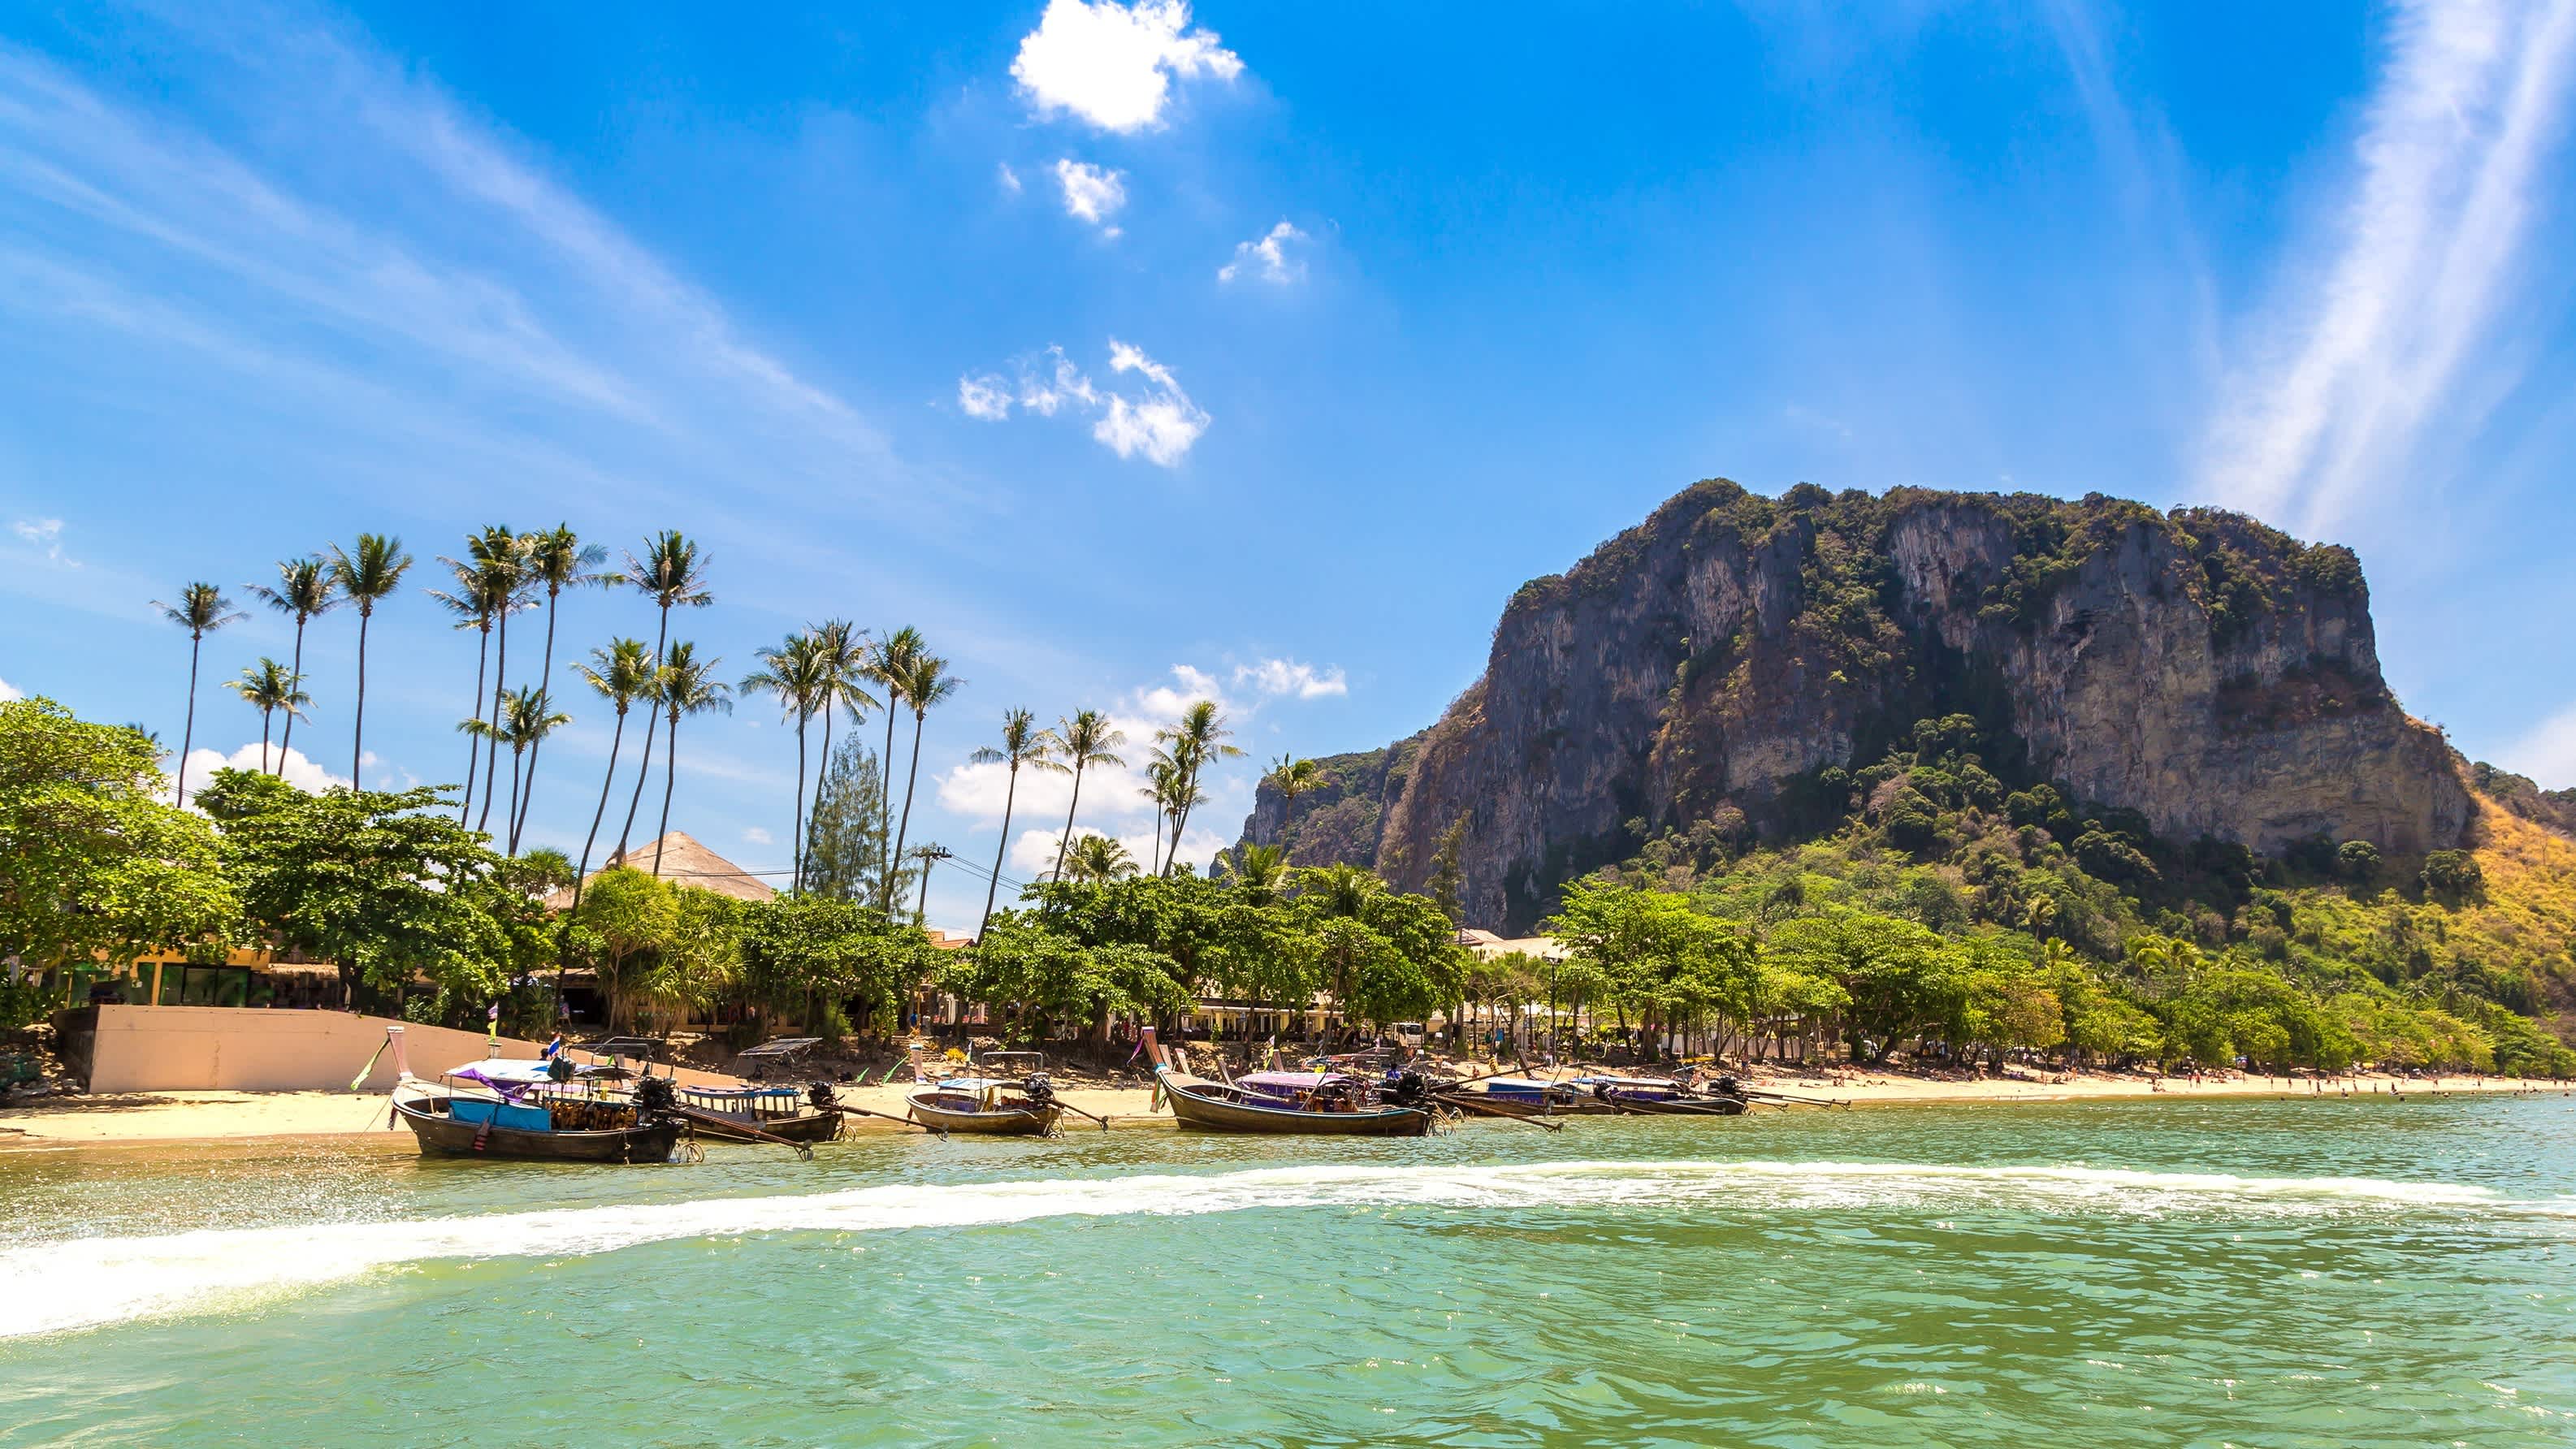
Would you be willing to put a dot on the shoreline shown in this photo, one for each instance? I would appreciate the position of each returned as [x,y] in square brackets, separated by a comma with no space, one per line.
[180,1118]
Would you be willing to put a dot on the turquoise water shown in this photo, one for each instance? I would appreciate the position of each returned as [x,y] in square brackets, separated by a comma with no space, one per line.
[2260,1272]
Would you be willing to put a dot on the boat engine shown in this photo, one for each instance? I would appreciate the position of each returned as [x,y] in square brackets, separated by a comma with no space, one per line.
[1038,1090]
[1409,1090]
[654,1097]
[1729,1087]
[821,1097]
[559,1069]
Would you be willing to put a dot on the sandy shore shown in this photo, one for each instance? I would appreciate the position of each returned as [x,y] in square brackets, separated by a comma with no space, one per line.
[195,1116]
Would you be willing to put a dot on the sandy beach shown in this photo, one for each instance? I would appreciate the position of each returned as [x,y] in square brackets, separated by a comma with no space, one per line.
[196,1116]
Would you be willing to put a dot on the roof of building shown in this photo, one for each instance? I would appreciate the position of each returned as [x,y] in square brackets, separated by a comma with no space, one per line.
[1487,945]
[684,862]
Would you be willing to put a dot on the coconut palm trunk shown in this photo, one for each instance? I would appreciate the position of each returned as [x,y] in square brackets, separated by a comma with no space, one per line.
[670,781]
[474,738]
[297,666]
[492,758]
[993,887]
[266,718]
[1066,840]
[796,835]
[358,730]
[607,782]
[188,732]
[885,816]
[919,718]
[661,640]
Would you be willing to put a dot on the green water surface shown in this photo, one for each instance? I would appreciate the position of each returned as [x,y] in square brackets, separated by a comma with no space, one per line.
[2252,1272]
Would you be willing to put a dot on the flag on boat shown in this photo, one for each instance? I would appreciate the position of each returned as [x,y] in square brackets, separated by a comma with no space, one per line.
[553,1049]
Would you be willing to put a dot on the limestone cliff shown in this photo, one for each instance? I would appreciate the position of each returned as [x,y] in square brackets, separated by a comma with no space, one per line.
[1728,659]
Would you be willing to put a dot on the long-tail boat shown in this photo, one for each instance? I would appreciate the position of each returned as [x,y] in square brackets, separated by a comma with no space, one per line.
[517,1109]
[988,1105]
[761,1114]
[1309,1103]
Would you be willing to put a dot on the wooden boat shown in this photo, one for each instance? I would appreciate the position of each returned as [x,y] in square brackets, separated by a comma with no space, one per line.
[1533,1097]
[451,1124]
[1308,1103]
[987,1105]
[753,1114]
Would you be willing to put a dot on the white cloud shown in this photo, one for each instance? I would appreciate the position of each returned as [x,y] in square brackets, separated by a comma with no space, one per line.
[2548,753]
[9,692]
[1158,421]
[300,770]
[754,835]
[1113,65]
[985,395]
[1271,255]
[1009,179]
[2370,344]
[1287,676]
[1091,193]
[45,534]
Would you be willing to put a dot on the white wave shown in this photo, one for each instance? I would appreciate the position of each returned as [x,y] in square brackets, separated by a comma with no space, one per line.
[88,1282]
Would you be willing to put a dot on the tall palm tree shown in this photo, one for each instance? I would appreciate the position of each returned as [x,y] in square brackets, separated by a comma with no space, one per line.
[1087,739]
[622,673]
[481,594]
[674,574]
[1199,737]
[366,578]
[1164,781]
[268,687]
[557,559]
[1291,778]
[844,648]
[304,593]
[201,610]
[1023,743]
[501,557]
[798,672]
[689,686]
[527,717]
[925,684]
[1097,858]
[1259,871]
[888,665]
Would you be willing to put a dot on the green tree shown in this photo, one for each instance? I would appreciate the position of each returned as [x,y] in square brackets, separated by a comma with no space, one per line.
[1097,858]
[673,574]
[926,685]
[366,578]
[556,559]
[1085,739]
[1198,739]
[689,687]
[845,655]
[889,666]
[201,610]
[379,882]
[269,687]
[98,867]
[812,954]
[480,596]
[1901,978]
[1023,744]
[1055,978]
[1448,878]
[622,673]
[304,592]
[844,843]
[798,672]
[527,717]
[1292,777]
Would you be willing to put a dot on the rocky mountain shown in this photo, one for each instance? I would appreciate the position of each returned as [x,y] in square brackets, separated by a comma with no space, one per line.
[1729,663]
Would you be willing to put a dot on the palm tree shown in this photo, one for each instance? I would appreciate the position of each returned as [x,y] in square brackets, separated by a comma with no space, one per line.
[500,556]
[1200,736]
[622,673]
[558,559]
[1085,740]
[304,592]
[268,687]
[844,649]
[689,686]
[201,610]
[926,683]
[887,666]
[1174,789]
[1292,778]
[370,575]
[674,573]
[1260,872]
[798,671]
[480,595]
[1023,743]
[527,717]
[1097,858]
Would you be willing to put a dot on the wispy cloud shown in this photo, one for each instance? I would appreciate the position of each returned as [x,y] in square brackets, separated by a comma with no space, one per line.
[2381,329]
[9,692]
[1091,193]
[45,534]
[1113,65]
[1288,676]
[1270,256]
[2547,753]
[1157,421]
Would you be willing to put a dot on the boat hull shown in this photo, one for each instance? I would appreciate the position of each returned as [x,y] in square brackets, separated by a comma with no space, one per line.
[1196,1105]
[441,1135]
[820,1126]
[1025,1120]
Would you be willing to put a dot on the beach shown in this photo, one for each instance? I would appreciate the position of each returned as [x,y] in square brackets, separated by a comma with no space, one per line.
[192,1116]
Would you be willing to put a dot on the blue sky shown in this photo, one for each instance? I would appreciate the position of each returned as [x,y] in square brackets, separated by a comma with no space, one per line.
[1259,351]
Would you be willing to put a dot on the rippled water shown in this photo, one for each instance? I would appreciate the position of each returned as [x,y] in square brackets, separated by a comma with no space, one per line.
[2276,1273]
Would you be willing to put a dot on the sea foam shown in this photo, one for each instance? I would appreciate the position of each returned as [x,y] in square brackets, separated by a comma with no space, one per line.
[90,1282]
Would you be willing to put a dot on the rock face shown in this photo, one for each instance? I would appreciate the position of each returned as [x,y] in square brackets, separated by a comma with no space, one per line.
[1726,659]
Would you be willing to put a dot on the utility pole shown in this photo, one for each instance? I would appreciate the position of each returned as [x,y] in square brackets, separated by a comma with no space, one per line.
[926,854]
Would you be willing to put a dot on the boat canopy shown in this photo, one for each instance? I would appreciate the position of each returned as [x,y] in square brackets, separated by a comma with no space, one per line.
[1289,1081]
[514,1072]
